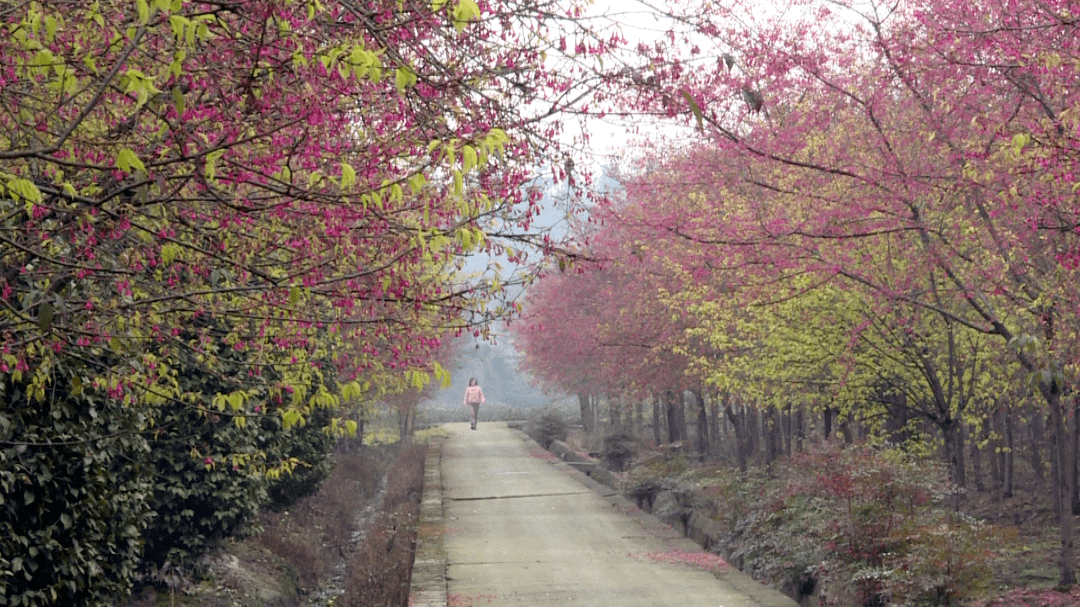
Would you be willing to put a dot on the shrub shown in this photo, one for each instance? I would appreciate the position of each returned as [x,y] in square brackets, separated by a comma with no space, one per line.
[618,449]
[201,499]
[873,524]
[74,494]
[645,491]
[547,427]
[311,445]
[215,458]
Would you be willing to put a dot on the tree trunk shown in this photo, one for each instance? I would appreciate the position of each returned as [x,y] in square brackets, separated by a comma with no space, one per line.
[772,435]
[615,412]
[788,436]
[1054,455]
[1036,432]
[1009,455]
[702,423]
[977,459]
[800,428]
[406,420]
[680,415]
[952,432]
[845,430]
[714,424]
[669,415]
[961,455]
[740,434]
[827,418]
[656,419]
[1064,481]
[1074,438]
[586,412]
[752,422]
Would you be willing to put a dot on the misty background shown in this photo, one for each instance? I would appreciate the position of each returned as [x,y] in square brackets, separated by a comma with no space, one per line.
[509,392]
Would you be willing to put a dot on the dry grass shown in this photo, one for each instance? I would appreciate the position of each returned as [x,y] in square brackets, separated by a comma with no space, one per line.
[316,533]
[380,570]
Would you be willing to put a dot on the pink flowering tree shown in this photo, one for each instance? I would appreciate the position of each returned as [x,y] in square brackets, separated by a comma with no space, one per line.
[601,325]
[250,211]
[923,154]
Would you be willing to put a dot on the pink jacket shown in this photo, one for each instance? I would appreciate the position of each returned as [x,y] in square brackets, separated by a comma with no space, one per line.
[473,394]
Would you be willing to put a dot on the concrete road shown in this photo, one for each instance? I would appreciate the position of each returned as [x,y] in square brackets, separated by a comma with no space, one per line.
[524,528]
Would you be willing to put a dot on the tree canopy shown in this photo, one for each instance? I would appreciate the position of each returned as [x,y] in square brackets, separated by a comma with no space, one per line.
[870,201]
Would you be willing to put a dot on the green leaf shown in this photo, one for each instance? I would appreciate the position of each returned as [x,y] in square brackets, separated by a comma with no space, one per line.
[464,12]
[128,162]
[348,176]
[468,158]
[211,163]
[404,78]
[50,27]
[459,183]
[291,418]
[416,183]
[24,189]
[45,317]
[236,400]
[170,252]
[695,108]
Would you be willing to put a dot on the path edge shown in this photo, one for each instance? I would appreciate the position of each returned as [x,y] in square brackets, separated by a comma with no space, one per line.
[428,583]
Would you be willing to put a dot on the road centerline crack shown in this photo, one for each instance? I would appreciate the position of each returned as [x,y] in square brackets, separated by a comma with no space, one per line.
[506,497]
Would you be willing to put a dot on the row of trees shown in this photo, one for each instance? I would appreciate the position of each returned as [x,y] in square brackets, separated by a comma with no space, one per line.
[224,225]
[876,215]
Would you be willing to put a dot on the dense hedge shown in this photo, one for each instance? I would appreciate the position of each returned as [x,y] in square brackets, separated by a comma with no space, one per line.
[862,526]
[210,480]
[75,486]
[200,498]
[96,493]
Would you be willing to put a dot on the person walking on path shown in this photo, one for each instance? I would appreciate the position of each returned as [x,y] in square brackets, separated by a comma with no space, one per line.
[474,397]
